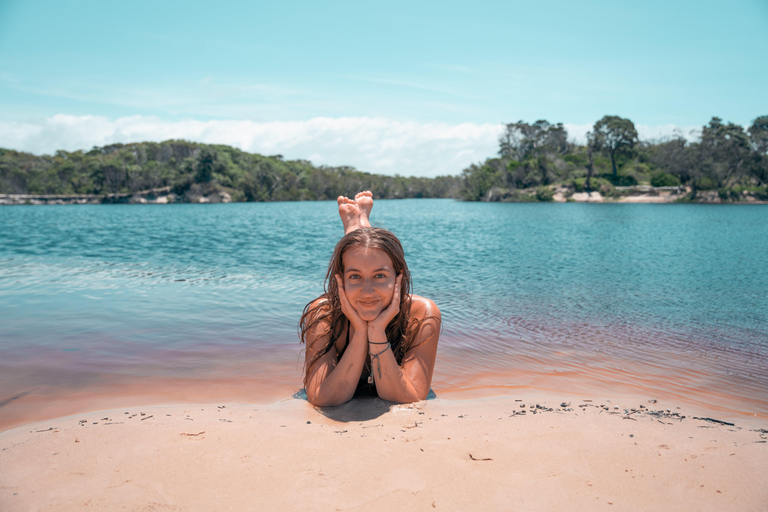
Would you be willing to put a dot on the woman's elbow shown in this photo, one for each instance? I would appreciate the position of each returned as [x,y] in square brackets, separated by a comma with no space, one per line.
[318,400]
[407,398]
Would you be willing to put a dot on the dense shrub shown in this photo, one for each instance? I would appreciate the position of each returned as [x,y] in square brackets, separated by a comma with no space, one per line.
[544,194]
[706,183]
[579,160]
[579,184]
[727,194]
[664,179]
[620,180]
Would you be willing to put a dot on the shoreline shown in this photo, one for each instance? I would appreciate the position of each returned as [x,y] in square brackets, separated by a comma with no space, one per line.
[629,195]
[643,400]
[703,387]
[41,405]
[534,450]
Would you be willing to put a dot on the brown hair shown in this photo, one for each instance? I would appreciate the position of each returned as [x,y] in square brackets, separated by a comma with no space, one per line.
[324,313]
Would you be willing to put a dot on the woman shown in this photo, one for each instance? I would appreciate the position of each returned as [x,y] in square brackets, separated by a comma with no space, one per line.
[367,332]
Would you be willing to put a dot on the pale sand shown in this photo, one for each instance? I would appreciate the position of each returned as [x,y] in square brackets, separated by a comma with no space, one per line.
[477,454]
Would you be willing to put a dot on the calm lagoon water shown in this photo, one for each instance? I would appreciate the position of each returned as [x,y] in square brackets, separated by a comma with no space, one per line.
[195,302]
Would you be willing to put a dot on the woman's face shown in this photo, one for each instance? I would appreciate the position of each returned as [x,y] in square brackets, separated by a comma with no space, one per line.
[369,280]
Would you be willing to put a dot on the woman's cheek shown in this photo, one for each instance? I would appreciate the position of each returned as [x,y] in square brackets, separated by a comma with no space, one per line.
[390,293]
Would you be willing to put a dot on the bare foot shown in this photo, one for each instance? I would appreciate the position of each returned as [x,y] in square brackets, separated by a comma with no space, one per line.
[354,213]
[365,201]
[350,214]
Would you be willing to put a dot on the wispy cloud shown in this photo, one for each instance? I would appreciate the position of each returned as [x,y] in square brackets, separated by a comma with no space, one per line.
[218,96]
[415,85]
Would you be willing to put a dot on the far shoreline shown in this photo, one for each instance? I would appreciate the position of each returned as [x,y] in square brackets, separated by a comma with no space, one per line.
[634,195]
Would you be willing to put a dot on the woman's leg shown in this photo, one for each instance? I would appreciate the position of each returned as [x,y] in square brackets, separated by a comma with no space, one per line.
[355,212]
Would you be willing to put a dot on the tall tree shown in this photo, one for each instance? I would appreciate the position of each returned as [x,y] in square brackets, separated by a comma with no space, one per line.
[758,135]
[725,151]
[208,163]
[614,135]
[591,161]
[676,156]
[521,140]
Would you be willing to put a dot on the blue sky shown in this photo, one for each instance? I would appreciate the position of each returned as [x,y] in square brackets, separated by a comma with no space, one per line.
[423,85]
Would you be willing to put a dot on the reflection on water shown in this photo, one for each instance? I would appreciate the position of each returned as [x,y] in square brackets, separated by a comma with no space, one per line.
[664,299]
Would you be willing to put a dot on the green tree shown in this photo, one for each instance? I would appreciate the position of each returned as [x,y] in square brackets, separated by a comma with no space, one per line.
[208,164]
[591,144]
[521,141]
[676,156]
[725,152]
[614,135]
[477,181]
[758,135]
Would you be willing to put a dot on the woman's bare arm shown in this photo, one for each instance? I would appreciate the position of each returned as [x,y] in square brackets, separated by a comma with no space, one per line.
[411,381]
[332,381]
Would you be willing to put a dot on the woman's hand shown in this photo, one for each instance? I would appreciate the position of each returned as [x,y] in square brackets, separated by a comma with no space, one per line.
[357,323]
[380,323]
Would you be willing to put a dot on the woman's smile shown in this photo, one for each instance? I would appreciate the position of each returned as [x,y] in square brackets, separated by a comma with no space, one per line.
[369,280]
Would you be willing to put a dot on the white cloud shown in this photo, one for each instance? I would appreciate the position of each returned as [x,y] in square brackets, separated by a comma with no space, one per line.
[374,145]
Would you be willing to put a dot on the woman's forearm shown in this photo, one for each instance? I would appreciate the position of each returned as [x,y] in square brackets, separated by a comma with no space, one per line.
[339,385]
[391,383]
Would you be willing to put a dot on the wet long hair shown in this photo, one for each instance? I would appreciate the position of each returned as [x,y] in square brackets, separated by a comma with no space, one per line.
[324,316]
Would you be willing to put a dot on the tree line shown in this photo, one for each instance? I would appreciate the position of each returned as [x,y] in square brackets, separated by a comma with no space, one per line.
[533,161]
[204,168]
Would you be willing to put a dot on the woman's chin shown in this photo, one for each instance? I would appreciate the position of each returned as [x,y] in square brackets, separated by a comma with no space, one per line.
[369,315]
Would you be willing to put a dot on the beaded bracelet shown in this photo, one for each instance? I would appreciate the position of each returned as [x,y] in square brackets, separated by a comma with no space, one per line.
[376,357]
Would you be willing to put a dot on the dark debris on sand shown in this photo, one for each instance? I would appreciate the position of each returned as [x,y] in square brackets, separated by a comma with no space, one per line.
[634,413]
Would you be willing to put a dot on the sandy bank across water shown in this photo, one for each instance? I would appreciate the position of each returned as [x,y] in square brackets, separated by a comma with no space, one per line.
[482,453]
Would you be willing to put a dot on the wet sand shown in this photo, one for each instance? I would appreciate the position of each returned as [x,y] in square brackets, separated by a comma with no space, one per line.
[530,451]
[45,388]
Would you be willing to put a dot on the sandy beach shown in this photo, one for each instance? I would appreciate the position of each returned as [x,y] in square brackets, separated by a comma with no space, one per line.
[525,452]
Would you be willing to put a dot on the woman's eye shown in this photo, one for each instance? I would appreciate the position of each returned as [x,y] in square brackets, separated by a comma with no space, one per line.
[380,276]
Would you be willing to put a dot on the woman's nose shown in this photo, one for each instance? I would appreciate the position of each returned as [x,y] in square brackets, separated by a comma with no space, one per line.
[367,286]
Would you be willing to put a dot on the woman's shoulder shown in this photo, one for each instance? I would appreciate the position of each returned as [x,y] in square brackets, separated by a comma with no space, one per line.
[427,320]
[422,307]
[320,303]
[317,312]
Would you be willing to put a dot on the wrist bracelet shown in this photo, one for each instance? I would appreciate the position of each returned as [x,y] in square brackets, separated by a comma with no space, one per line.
[376,357]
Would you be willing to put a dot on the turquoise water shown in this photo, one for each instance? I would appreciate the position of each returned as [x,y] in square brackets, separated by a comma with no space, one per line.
[664,299]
